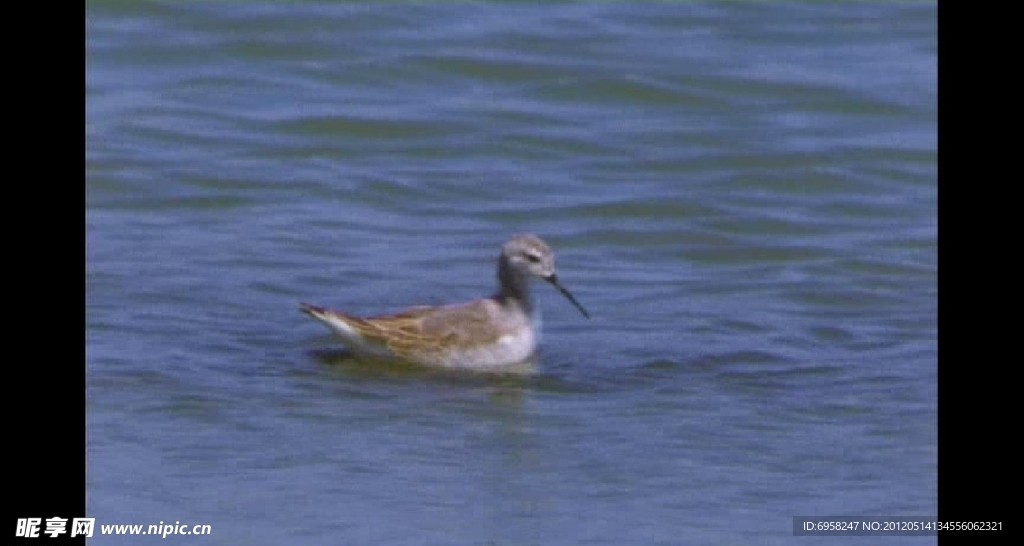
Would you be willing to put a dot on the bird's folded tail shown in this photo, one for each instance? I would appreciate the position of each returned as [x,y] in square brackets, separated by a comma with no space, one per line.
[352,330]
[338,322]
[313,310]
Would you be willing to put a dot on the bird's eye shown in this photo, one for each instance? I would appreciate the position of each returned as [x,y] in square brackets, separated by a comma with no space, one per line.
[533,258]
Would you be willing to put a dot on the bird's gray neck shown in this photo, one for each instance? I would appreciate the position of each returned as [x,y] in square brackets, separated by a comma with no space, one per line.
[514,286]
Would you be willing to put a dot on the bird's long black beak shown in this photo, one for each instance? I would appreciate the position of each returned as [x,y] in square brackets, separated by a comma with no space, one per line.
[553,279]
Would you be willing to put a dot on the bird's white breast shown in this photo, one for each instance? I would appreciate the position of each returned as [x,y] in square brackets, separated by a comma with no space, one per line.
[511,348]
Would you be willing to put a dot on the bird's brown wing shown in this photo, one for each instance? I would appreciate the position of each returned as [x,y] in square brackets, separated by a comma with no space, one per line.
[422,330]
[431,329]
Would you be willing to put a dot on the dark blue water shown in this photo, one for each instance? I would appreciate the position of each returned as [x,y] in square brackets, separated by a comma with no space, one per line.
[742,195]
